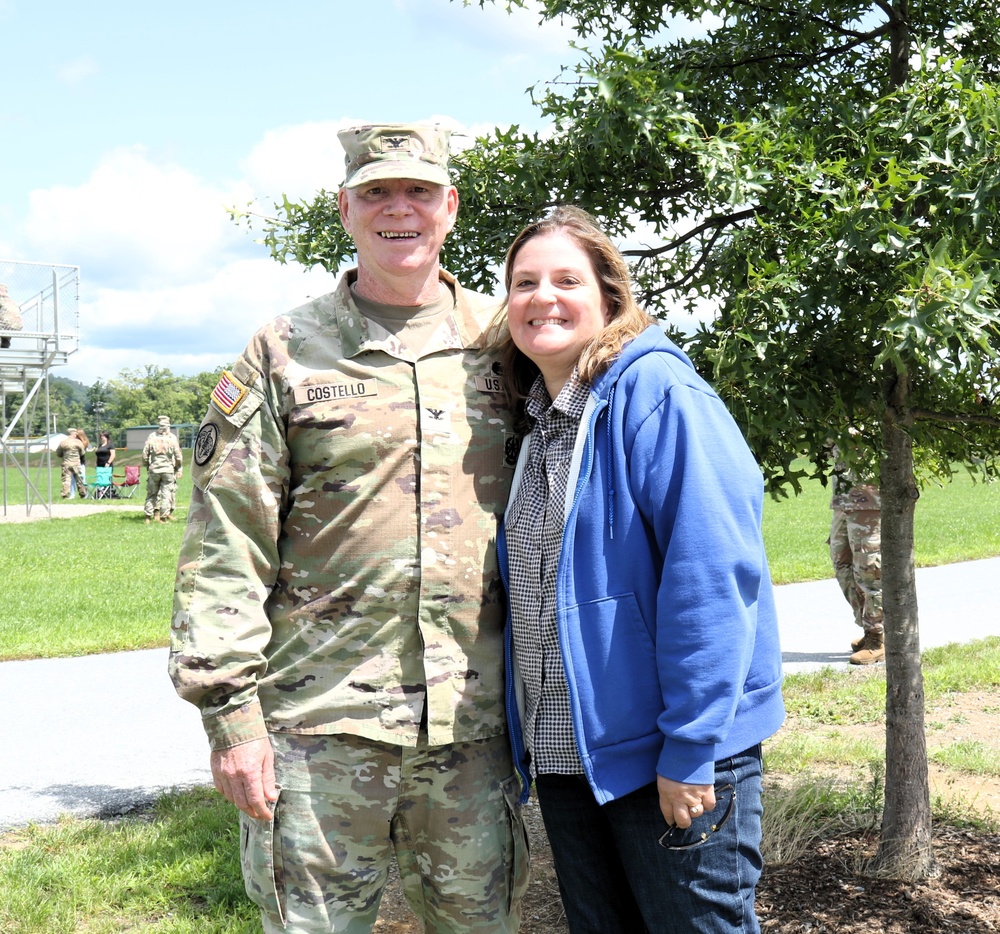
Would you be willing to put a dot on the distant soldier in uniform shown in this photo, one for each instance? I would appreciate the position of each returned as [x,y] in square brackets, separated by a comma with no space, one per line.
[71,450]
[339,610]
[856,552]
[10,316]
[161,455]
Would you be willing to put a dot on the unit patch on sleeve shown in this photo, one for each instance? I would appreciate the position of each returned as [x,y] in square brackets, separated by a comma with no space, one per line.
[204,446]
[229,392]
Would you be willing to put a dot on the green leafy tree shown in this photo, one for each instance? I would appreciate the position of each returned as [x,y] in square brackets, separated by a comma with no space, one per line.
[100,407]
[65,408]
[823,178]
[141,395]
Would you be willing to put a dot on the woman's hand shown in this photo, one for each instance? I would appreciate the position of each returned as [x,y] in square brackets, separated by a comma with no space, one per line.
[680,803]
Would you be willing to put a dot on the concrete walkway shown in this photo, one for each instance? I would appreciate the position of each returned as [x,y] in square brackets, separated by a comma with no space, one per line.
[956,603]
[93,735]
[101,734]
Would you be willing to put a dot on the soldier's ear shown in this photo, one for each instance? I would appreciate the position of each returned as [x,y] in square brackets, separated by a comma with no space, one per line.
[343,205]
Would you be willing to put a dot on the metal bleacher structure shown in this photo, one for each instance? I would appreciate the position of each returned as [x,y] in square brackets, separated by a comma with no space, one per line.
[49,299]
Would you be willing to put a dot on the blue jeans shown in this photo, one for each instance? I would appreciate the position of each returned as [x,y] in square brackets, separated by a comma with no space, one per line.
[616,878]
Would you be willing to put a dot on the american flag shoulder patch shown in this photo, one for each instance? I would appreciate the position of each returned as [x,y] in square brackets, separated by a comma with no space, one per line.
[229,392]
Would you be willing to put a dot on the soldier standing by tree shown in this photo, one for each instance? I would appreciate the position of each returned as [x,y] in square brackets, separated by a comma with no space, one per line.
[856,552]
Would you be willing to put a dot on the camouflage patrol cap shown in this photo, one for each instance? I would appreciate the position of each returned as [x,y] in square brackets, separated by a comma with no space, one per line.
[395,150]
[163,421]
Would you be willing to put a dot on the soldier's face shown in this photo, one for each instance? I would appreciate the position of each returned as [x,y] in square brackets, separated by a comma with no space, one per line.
[398,224]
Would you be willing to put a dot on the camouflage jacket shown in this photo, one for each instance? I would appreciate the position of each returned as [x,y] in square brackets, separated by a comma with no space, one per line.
[71,450]
[864,497]
[852,493]
[338,568]
[162,452]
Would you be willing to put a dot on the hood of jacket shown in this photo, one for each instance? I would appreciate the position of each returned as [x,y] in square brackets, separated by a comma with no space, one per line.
[652,340]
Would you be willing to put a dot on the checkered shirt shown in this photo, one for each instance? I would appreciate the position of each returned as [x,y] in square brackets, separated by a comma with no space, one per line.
[534,524]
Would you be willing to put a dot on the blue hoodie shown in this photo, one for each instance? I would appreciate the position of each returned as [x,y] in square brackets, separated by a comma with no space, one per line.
[664,606]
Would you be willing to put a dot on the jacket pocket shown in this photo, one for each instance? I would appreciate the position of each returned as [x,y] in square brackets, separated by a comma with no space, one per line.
[611,666]
[260,860]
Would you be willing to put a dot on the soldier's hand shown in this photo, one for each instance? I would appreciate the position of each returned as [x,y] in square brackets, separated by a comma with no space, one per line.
[244,775]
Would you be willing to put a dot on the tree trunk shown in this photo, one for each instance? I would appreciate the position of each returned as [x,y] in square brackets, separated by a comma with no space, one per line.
[905,849]
[900,46]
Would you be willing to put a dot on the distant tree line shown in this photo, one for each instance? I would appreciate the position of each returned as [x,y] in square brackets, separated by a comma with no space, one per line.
[134,397]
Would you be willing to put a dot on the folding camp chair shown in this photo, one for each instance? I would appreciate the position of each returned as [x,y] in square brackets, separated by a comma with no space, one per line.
[128,484]
[103,486]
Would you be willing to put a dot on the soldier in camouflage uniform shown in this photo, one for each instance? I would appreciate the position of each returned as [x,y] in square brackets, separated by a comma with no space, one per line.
[164,467]
[71,450]
[856,552]
[339,610]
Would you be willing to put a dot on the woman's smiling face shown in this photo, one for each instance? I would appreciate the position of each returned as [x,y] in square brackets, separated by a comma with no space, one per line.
[555,306]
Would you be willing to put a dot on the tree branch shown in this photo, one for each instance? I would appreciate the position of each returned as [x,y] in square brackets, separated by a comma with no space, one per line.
[802,59]
[836,27]
[715,222]
[927,415]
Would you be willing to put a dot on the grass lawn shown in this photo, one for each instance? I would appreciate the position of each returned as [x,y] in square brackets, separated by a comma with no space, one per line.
[174,871]
[956,522]
[104,582]
[93,583]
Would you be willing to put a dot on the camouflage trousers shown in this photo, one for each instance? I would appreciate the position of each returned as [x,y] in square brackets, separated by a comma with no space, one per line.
[856,552]
[450,813]
[69,475]
[161,493]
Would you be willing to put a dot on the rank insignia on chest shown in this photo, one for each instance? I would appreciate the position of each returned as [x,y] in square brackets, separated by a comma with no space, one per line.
[229,392]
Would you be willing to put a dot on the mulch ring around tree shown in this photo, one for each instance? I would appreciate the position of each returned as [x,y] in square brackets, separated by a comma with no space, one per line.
[825,890]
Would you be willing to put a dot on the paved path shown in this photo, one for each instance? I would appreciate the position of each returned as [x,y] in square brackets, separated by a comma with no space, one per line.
[104,733]
[956,603]
[69,510]
[93,735]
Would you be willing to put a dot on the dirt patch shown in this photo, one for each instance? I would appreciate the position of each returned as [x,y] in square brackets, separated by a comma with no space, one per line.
[967,719]
[826,890]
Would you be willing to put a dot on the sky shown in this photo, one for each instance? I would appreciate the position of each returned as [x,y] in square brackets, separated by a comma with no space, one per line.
[127,130]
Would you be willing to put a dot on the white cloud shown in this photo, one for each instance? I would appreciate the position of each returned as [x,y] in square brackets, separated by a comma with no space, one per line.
[134,222]
[77,70]
[166,277]
[188,328]
[297,161]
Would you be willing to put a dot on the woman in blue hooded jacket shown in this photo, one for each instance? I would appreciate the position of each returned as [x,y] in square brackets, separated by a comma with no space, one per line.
[643,662]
